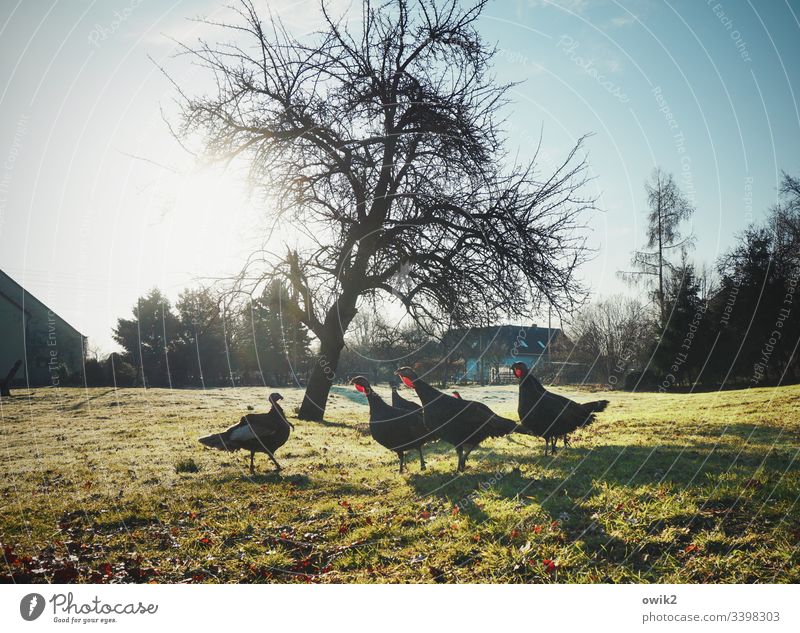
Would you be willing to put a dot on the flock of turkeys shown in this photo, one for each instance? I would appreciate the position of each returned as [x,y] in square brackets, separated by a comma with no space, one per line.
[404,426]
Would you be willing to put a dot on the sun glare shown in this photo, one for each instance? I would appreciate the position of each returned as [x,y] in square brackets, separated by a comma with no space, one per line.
[203,223]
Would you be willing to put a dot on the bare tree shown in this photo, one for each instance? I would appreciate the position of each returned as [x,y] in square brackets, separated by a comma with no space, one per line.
[379,140]
[613,333]
[668,208]
[785,217]
[708,280]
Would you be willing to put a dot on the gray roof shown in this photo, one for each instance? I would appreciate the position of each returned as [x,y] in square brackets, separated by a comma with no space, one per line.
[14,293]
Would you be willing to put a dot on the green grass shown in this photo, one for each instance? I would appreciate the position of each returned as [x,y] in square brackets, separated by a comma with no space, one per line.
[662,488]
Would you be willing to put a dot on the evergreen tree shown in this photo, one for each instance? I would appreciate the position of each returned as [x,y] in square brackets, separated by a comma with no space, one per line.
[272,345]
[149,339]
[680,351]
[202,354]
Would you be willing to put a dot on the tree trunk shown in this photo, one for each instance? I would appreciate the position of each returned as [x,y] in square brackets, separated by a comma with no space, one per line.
[5,385]
[661,266]
[331,343]
[322,376]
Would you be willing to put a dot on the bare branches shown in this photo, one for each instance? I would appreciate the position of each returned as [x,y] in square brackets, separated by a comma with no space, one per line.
[668,208]
[379,138]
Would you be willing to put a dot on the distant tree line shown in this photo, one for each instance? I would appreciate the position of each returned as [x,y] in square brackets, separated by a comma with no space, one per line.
[734,323]
[206,340]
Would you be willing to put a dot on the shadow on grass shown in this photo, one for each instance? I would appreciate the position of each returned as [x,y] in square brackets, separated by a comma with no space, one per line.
[269,477]
[336,425]
[670,463]
[83,403]
[755,433]
[460,489]
[573,474]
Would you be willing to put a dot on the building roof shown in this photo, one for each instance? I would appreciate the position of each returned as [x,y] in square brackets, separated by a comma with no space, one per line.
[15,293]
[511,340]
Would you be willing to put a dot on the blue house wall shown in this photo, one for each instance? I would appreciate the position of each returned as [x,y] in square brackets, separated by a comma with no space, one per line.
[494,349]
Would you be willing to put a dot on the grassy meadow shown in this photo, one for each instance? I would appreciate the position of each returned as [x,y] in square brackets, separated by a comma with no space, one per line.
[112,486]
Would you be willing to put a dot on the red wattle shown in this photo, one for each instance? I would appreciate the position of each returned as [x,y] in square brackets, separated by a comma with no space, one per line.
[408,382]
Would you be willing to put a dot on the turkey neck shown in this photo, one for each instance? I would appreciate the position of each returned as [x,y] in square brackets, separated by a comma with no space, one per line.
[279,409]
[529,383]
[376,403]
[427,393]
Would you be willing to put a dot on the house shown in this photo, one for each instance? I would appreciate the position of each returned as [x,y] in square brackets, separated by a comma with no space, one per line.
[485,353]
[47,345]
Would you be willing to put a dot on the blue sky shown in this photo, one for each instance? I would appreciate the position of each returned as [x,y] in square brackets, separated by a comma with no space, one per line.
[96,198]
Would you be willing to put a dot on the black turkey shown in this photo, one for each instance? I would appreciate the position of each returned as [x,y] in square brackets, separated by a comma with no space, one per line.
[255,432]
[462,423]
[548,415]
[402,403]
[397,429]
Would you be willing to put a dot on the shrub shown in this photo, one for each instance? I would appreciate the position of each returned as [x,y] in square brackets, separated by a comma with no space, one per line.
[646,380]
[119,372]
[187,465]
[95,376]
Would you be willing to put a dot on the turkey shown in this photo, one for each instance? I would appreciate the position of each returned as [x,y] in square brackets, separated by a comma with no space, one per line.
[401,403]
[548,415]
[397,429]
[462,423]
[457,395]
[255,432]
